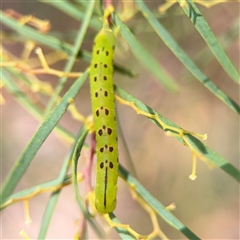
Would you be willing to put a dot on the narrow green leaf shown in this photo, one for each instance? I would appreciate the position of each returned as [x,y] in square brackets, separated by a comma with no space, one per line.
[62,177]
[52,42]
[79,141]
[39,137]
[213,157]
[140,105]
[123,233]
[192,142]
[226,39]
[124,71]
[144,56]
[15,197]
[156,205]
[73,11]
[31,33]
[203,28]
[182,56]
[28,104]
[126,153]
[75,157]
[47,216]
[77,45]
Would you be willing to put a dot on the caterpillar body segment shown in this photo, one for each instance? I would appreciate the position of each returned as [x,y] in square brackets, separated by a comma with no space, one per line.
[103,107]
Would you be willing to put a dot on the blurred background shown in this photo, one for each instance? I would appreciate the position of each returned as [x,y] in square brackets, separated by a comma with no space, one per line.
[209,206]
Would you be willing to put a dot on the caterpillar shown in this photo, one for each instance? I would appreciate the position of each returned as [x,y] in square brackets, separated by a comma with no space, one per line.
[103,107]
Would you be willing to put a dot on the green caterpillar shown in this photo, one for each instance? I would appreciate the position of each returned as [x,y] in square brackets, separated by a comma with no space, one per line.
[103,107]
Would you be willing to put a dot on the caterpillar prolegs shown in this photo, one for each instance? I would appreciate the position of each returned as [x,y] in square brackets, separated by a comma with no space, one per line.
[103,107]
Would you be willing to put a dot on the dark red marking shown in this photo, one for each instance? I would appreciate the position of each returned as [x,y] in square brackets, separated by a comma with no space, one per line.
[111,165]
[109,131]
[100,132]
